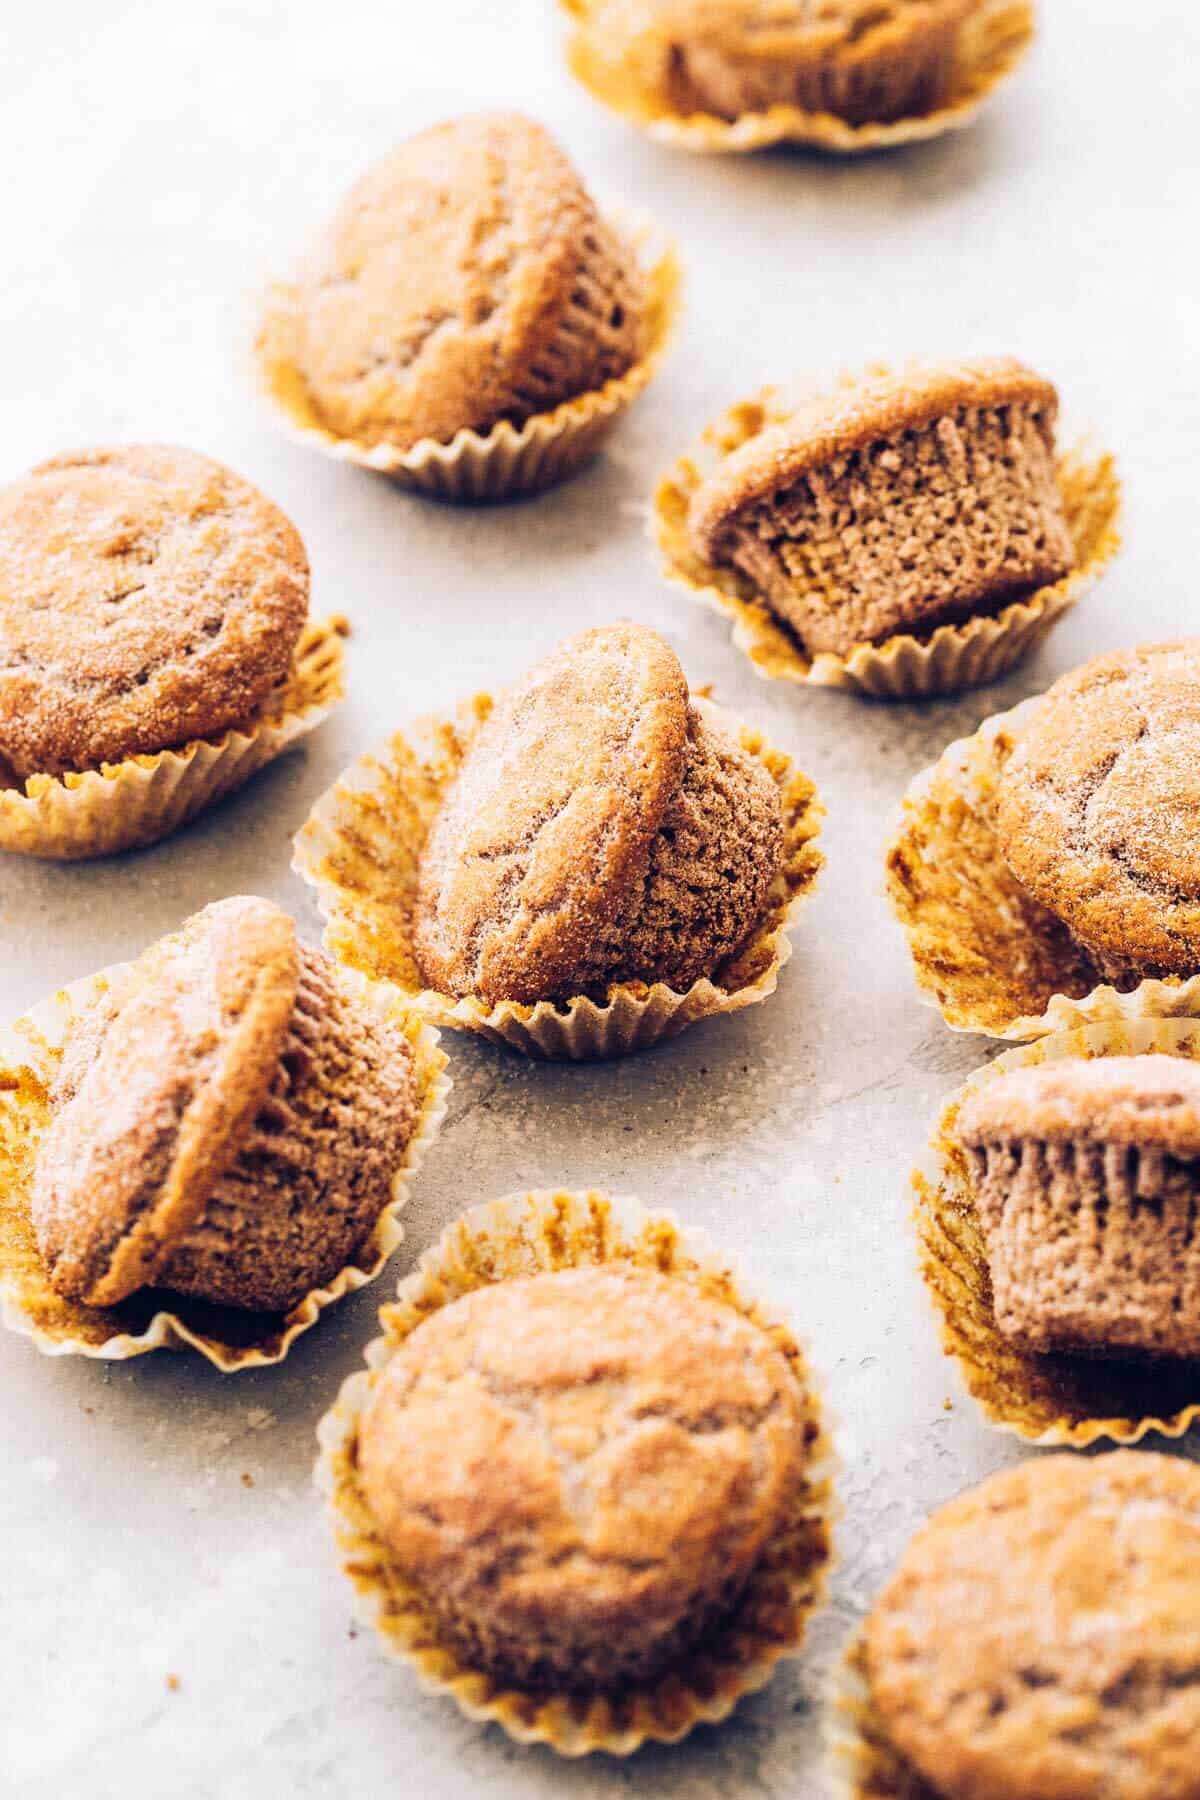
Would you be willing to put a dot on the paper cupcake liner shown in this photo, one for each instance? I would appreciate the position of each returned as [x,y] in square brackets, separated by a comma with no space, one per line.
[863,1762]
[127,805]
[984,952]
[525,1234]
[509,460]
[949,659]
[361,849]
[227,1337]
[993,44]
[1054,1399]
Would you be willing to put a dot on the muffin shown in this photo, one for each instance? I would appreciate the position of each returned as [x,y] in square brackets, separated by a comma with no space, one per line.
[148,597]
[895,504]
[581,1470]
[601,829]
[1042,1635]
[468,278]
[1086,1176]
[1097,809]
[227,1122]
[861,60]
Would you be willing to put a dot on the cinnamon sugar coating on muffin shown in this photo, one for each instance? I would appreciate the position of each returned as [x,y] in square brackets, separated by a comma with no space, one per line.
[896,503]
[1086,1177]
[1042,1635]
[227,1122]
[580,1470]
[862,60]
[601,829]
[148,596]
[467,278]
[1098,809]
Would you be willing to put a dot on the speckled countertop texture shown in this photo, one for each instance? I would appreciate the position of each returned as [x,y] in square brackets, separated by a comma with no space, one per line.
[157,1520]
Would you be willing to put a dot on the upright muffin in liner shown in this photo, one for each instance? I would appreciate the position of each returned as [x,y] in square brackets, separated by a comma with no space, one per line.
[1051,1399]
[509,460]
[950,658]
[228,1337]
[361,848]
[136,802]
[525,1234]
[993,42]
[984,952]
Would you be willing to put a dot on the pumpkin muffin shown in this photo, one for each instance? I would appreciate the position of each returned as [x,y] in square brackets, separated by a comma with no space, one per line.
[468,278]
[148,597]
[601,829]
[1042,1635]
[580,1470]
[896,503]
[1098,808]
[865,61]
[227,1122]
[1086,1178]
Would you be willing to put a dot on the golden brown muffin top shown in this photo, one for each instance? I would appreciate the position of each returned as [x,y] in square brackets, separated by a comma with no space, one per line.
[158,1086]
[552,816]
[1147,1102]
[782,28]
[148,596]
[1098,807]
[854,416]
[447,278]
[594,1447]
[1042,1635]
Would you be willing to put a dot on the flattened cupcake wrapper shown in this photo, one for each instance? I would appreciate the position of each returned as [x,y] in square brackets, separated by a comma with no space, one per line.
[227,1337]
[987,955]
[949,659]
[525,1234]
[508,460]
[863,1763]
[993,44]
[360,849]
[130,804]
[1055,1399]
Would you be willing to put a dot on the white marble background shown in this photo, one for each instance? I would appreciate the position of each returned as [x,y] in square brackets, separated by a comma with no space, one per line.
[159,160]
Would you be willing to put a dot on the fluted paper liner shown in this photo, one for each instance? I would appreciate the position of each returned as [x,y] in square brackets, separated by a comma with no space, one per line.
[229,1338]
[1055,1399]
[989,956]
[949,659]
[993,43]
[508,460]
[863,1762]
[361,850]
[129,804]
[525,1234]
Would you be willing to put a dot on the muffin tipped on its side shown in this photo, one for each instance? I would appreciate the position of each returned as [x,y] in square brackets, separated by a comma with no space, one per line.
[1087,1181]
[895,504]
[602,828]
[227,1122]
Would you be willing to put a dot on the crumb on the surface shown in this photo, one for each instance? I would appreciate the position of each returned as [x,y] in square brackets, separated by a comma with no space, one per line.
[247,1478]
[173,1684]
[947,1404]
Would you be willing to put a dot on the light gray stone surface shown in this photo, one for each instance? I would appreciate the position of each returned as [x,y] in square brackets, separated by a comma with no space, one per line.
[160,161]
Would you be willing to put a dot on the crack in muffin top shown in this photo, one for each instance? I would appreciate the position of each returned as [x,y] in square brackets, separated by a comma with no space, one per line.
[148,596]
[550,822]
[466,278]
[1150,1102]
[1042,1634]
[158,1087]
[1098,807]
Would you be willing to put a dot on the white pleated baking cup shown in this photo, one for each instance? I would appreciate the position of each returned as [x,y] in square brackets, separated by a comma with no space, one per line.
[994,41]
[130,804]
[509,460]
[987,955]
[527,1234]
[361,850]
[227,1337]
[1067,1401]
[950,659]
[863,1763]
